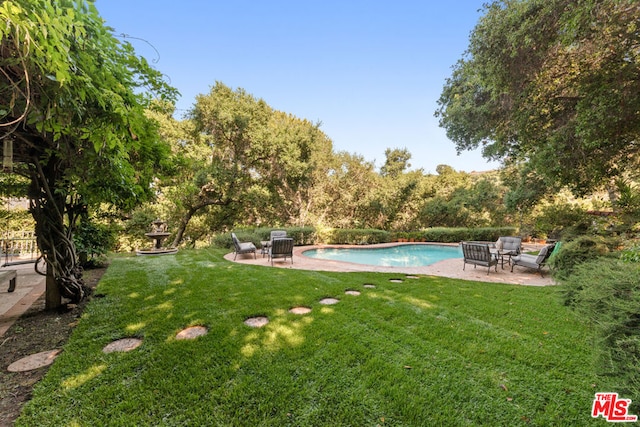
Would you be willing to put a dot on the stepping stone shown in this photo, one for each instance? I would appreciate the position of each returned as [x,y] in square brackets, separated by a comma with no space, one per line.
[329,301]
[300,310]
[354,293]
[123,345]
[413,277]
[369,286]
[191,333]
[34,361]
[395,280]
[256,322]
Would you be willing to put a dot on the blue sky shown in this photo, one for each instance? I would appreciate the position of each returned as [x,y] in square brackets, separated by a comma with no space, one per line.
[370,71]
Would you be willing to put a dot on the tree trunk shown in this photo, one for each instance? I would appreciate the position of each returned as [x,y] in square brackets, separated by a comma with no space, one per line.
[49,206]
[184,221]
[613,193]
[53,299]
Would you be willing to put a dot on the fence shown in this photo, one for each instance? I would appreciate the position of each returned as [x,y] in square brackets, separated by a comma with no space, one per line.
[18,247]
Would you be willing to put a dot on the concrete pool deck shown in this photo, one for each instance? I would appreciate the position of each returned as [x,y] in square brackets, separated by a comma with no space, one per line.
[448,268]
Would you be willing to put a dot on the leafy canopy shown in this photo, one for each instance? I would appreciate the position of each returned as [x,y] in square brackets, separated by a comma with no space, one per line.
[70,90]
[552,83]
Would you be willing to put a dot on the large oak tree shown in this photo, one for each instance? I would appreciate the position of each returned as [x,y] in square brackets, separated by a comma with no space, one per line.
[554,84]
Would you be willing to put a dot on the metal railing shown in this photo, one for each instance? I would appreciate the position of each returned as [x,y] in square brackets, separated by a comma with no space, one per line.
[18,247]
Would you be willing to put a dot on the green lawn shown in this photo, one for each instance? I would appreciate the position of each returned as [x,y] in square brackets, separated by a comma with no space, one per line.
[428,351]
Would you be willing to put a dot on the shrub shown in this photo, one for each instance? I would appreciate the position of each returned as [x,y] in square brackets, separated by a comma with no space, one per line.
[584,248]
[132,235]
[300,235]
[632,254]
[92,241]
[343,236]
[454,235]
[224,240]
[561,218]
[607,292]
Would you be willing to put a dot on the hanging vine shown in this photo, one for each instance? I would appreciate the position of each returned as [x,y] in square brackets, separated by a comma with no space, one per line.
[72,103]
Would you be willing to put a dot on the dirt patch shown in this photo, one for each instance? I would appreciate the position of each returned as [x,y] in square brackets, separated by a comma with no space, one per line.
[35,331]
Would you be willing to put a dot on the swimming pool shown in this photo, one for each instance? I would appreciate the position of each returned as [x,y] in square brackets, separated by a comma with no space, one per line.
[393,256]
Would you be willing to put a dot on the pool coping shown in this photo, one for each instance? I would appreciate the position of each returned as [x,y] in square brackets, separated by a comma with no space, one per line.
[452,268]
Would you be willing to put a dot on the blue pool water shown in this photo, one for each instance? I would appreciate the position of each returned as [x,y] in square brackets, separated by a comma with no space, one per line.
[395,256]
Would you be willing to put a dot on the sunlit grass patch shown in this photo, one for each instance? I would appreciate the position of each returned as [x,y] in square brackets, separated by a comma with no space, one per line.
[436,351]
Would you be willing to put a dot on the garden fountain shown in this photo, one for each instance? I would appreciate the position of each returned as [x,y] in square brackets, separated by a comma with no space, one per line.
[157,235]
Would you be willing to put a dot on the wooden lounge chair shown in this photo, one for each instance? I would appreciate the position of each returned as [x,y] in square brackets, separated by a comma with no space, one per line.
[281,248]
[242,247]
[478,253]
[533,261]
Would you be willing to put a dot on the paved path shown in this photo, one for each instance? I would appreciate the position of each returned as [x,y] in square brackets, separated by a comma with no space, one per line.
[29,287]
[448,268]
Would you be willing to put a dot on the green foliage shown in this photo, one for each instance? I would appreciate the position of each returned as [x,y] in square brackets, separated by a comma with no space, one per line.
[462,201]
[300,235]
[552,84]
[92,120]
[558,217]
[93,241]
[631,254]
[340,236]
[12,185]
[454,235]
[606,292]
[578,251]
[15,219]
[397,161]
[628,206]
[238,161]
[132,230]
[73,99]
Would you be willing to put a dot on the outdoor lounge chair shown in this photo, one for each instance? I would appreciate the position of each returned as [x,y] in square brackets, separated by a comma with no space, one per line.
[242,248]
[478,253]
[275,234]
[281,248]
[533,261]
[508,246]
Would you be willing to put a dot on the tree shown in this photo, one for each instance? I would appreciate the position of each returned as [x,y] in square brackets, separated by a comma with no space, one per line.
[238,161]
[345,194]
[554,84]
[72,101]
[397,161]
[459,199]
[222,156]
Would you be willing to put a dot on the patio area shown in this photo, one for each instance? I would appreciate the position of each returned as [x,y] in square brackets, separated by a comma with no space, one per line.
[448,268]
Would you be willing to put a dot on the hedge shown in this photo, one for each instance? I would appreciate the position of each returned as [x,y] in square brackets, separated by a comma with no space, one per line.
[454,235]
[345,236]
[367,236]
